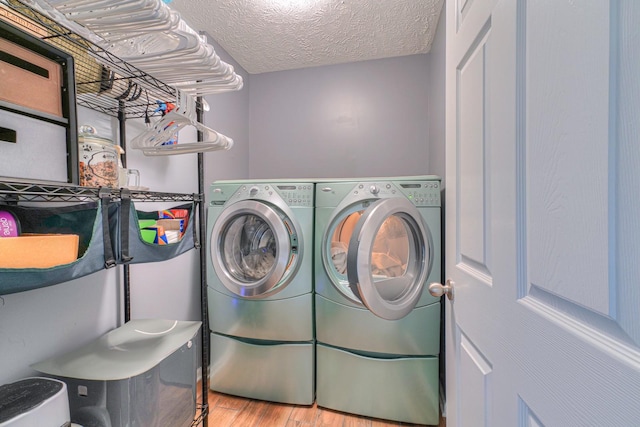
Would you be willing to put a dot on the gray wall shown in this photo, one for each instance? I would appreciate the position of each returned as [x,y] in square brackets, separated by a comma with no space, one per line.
[351,120]
[229,115]
[38,324]
[436,84]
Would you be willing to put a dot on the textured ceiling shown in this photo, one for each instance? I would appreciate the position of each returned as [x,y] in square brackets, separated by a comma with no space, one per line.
[276,35]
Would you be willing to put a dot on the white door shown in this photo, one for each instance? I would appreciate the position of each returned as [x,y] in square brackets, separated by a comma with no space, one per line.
[543,213]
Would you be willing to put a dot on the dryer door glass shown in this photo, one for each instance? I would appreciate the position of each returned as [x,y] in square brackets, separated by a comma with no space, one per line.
[252,248]
[389,257]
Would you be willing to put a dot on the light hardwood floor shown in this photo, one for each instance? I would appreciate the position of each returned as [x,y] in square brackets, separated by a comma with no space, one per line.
[232,411]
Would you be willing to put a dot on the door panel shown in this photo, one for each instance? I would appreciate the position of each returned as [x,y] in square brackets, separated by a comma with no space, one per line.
[542,155]
[473,226]
[566,134]
[475,395]
[576,183]
[526,416]
[626,208]
[463,7]
[472,250]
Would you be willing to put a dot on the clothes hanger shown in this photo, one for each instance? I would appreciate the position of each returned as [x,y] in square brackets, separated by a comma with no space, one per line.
[151,141]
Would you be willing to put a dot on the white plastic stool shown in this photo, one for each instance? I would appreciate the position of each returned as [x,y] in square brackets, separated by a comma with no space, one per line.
[34,402]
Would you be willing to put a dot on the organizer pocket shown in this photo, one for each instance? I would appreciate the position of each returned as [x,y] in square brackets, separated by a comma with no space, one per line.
[134,248]
[89,221]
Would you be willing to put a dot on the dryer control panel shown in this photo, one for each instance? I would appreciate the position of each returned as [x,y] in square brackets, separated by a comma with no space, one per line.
[422,193]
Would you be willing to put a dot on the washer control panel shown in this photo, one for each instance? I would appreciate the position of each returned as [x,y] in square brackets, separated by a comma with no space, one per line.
[293,194]
[296,194]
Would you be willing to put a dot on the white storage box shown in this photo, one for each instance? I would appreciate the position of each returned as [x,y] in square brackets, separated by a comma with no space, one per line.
[34,402]
[141,374]
[39,152]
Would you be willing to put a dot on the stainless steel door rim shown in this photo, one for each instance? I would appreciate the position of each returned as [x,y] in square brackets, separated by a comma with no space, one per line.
[285,253]
[407,287]
[389,298]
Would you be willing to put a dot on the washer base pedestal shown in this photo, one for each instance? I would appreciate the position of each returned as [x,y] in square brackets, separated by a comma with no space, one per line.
[265,370]
[400,389]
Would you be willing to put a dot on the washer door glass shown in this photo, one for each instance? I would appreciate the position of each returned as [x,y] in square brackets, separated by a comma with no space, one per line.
[251,248]
[389,257]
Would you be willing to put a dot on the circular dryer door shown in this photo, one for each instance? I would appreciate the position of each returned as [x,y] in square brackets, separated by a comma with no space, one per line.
[389,257]
[254,249]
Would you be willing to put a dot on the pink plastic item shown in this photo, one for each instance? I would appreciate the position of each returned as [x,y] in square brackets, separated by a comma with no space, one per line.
[9,224]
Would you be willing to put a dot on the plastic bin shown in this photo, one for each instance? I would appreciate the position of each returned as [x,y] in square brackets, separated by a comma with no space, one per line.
[141,374]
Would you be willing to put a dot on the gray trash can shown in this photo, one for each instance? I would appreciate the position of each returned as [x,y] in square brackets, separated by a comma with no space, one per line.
[140,374]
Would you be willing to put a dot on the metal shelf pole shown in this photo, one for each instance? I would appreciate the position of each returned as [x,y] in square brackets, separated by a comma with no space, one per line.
[203,275]
[125,269]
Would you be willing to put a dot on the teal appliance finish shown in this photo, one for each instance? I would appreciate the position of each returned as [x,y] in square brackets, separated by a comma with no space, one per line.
[377,246]
[260,290]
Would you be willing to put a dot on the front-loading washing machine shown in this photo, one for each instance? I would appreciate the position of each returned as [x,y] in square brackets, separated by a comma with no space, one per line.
[377,244]
[260,290]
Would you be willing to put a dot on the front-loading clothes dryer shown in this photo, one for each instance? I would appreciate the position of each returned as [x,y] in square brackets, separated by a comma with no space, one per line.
[377,245]
[260,290]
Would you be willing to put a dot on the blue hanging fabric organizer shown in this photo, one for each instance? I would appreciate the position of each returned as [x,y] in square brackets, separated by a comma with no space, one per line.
[132,246]
[92,222]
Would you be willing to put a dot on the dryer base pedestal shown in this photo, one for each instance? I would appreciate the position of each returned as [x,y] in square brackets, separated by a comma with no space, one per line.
[265,370]
[398,389]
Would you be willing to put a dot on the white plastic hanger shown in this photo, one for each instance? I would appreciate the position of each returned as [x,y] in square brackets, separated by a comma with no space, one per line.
[151,141]
[152,37]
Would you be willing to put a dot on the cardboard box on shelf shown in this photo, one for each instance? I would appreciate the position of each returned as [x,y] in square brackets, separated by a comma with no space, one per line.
[38,250]
[172,224]
[30,80]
